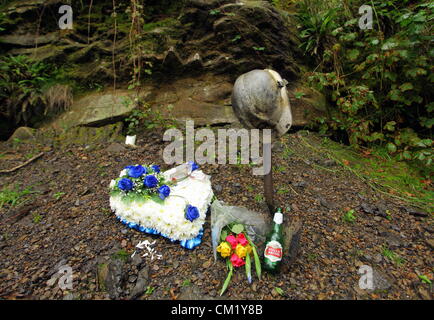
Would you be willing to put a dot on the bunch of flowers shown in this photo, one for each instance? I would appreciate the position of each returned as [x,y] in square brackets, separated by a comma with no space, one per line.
[237,248]
[141,181]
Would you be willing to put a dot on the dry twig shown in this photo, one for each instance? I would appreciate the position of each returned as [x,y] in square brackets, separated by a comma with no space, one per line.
[22,165]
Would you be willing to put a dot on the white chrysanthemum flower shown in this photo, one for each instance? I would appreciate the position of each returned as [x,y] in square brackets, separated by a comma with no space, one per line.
[169,218]
[123,173]
[112,184]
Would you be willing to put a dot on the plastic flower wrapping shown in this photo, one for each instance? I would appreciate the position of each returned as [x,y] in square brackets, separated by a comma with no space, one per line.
[238,250]
[150,201]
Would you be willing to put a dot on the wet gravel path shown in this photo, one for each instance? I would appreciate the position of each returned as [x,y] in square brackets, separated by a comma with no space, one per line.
[69,222]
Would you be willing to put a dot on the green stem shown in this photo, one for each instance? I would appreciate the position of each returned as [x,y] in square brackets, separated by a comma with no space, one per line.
[228,279]
[256,257]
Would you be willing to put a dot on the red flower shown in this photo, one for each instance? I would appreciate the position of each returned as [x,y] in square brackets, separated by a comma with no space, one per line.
[232,240]
[241,238]
[237,261]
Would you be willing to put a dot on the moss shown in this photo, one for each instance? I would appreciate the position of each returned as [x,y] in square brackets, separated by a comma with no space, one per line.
[168,22]
[121,255]
[385,174]
[48,52]
[90,136]
[102,275]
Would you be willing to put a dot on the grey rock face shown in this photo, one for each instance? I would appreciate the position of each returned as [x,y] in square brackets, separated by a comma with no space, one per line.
[111,277]
[141,283]
[116,147]
[23,133]
[381,281]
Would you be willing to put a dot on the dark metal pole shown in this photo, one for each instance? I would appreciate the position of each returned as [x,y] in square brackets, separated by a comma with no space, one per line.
[268,178]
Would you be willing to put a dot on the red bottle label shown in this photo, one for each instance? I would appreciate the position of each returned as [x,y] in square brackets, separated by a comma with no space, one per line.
[273,251]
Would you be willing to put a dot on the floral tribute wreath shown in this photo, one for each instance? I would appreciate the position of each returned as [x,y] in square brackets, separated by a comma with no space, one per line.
[145,199]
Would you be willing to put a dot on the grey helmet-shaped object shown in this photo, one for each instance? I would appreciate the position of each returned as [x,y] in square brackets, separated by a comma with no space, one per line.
[260,100]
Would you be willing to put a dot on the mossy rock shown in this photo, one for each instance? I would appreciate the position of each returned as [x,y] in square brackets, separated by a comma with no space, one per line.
[307,104]
[102,276]
[23,134]
[90,136]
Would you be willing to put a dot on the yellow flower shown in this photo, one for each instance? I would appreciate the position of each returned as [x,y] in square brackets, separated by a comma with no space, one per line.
[241,251]
[225,249]
[249,249]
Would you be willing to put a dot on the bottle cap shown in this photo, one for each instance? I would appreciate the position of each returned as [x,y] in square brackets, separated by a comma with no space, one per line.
[278,218]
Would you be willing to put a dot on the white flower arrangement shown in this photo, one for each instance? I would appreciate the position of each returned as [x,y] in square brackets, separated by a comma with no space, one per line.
[179,216]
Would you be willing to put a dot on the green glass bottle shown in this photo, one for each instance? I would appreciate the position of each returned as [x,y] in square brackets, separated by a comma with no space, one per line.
[273,253]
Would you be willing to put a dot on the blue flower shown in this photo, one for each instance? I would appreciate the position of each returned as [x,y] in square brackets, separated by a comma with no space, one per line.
[150,181]
[156,169]
[125,184]
[136,171]
[194,165]
[191,213]
[163,192]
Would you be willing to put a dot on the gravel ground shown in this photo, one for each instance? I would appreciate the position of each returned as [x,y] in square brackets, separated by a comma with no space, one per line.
[68,222]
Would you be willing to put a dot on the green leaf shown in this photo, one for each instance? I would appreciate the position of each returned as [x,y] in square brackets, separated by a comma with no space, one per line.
[353,54]
[391,148]
[427,123]
[424,279]
[236,38]
[416,72]
[228,278]
[335,32]
[279,291]
[403,54]
[149,290]
[389,45]
[299,95]
[406,155]
[394,95]
[157,199]
[372,58]
[237,229]
[420,156]
[349,37]
[390,126]
[351,22]
[223,235]
[390,75]
[406,86]
[248,268]
[257,260]
[376,136]
[427,142]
